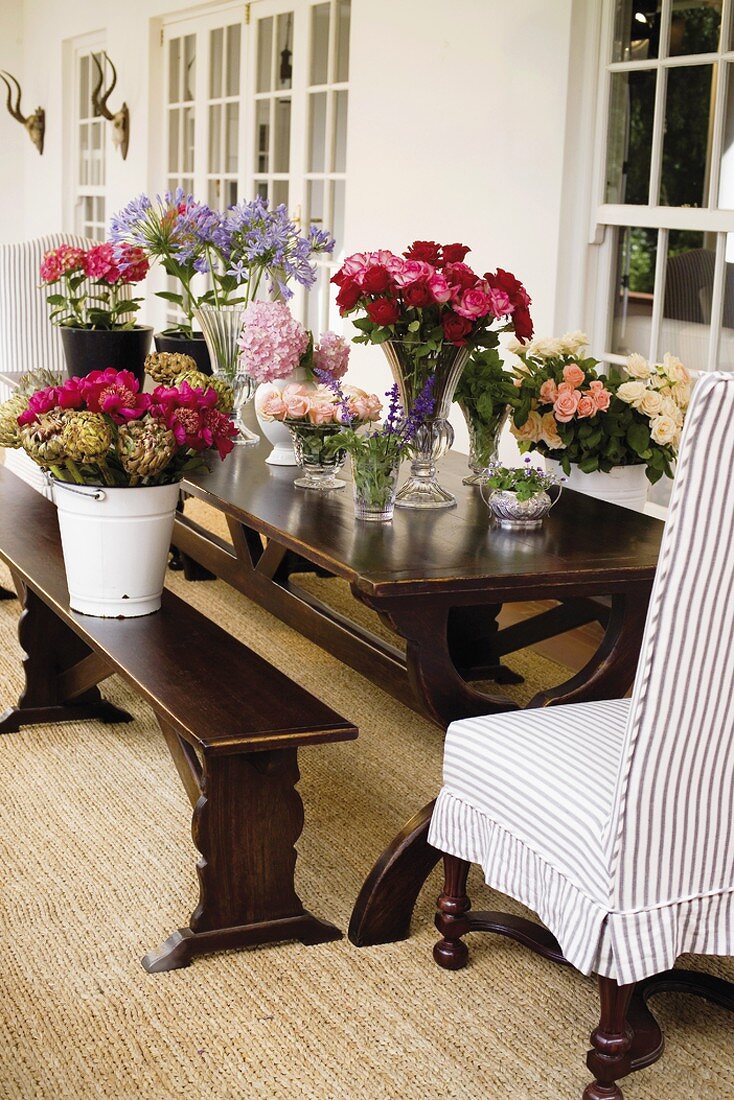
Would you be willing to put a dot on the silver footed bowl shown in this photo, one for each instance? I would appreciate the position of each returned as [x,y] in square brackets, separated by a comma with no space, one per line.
[518,515]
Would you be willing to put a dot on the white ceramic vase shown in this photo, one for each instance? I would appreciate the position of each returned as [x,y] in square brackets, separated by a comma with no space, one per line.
[275,431]
[115,544]
[623,485]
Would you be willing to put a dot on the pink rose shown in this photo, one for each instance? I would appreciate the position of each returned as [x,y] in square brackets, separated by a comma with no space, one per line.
[599,395]
[322,412]
[439,287]
[586,406]
[573,374]
[566,387]
[365,406]
[548,391]
[565,405]
[412,271]
[296,405]
[472,304]
[272,406]
[499,302]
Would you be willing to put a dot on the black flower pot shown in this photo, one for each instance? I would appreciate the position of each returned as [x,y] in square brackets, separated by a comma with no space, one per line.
[88,349]
[186,345]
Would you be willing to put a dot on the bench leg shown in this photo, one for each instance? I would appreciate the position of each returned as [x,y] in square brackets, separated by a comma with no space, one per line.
[60,673]
[246,823]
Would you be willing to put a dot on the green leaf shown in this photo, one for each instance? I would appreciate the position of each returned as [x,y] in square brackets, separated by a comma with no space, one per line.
[638,437]
[169,296]
[414,326]
[589,464]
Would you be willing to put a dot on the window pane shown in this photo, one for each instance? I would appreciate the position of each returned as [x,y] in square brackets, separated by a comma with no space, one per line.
[230,192]
[189,66]
[631,107]
[320,44]
[284,56]
[214,192]
[687,142]
[282,148]
[232,136]
[726,344]
[343,11]
[634,290]
[216,55]
[262,189]
[174,69]
[726,168]
[262,135]
[636,30]
[689,289]
[188,149]
[264,53]
[337,222]
[317,144]
[233,60]
[694,26]
[84,90]
[280,192]
[340,146]
[215,138]
[84,153]
[315,200]
[173,151]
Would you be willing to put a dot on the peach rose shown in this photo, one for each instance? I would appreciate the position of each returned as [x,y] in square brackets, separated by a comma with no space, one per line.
[322,412]
[272,406]
[297,389]
[573,374]
[565,405]
[599,395]
[549,432]
[296,405]
[530,430]
[365,406]
[548,391]
[586,406]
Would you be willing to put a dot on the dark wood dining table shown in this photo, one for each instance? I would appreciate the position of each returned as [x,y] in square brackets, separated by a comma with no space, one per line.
[438,580]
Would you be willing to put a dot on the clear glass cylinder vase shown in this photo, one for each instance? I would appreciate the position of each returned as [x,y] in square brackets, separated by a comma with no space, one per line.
[484,439]
[375,486]
[319,463]
[411,366]
[222,326]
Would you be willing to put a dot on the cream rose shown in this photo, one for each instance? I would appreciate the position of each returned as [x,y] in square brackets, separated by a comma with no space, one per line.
[530,431]
[573,342]
[516,347]
[652,403]
[632,393]
[548,347]
[681,394]
[549,432]
[663,429]
[638,367]
[674,369]
[669,408]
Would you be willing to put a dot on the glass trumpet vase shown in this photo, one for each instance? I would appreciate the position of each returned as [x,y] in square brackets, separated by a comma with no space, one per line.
[484,439]
[319,463]
[435,436]
[222,326]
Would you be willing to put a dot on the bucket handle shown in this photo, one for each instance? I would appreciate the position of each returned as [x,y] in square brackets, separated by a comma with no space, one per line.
[95,492]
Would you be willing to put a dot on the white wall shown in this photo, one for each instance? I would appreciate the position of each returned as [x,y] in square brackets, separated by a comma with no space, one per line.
[13,136]
[457,125]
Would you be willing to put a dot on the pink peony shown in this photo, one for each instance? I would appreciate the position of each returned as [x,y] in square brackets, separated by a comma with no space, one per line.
[272,342]
[548,391]
[331,354]
[565,405]
[189,415]
[573,374]
[115,393]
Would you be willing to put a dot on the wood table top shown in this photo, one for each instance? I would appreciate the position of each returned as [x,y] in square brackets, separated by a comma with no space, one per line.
[457,549]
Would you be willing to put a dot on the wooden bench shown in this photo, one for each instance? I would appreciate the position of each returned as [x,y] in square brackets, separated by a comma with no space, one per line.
[232,723]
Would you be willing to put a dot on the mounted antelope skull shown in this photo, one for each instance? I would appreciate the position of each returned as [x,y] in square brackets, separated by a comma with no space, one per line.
[120,119]
[35,124]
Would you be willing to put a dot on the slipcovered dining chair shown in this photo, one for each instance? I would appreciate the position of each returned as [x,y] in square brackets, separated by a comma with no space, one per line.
[614,821]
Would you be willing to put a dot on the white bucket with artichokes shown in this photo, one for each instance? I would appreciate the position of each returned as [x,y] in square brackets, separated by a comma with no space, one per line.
[116,457]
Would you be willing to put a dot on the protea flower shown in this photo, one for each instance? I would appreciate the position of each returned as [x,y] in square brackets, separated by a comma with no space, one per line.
[86,437]
[200,381]
[42,440]
[145,448]
[9,412]
[166,366]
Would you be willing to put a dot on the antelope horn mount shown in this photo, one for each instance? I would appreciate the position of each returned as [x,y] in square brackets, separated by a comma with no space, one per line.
[35,124]
[120,119]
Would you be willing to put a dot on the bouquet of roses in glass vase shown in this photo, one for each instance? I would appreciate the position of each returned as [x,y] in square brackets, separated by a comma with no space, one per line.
[276,351]
[429,311]
[92,297]
[376,453]
[591,424]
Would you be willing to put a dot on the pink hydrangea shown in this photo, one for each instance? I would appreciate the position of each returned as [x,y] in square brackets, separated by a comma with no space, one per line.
[100,263]
[332,355]
[272,341]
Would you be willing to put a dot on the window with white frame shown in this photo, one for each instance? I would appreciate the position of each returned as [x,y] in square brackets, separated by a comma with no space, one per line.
[665,199]
[89,217]
[259,106]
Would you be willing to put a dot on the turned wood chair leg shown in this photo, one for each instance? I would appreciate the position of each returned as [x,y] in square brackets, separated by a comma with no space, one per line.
[611,1042]
[451,952]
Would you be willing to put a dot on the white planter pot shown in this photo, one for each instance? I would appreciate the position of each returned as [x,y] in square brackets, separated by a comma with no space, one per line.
[115,544]
[623,485]
[274,431]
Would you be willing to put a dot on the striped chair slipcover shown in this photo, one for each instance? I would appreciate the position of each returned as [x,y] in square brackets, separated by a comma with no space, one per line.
[614,821]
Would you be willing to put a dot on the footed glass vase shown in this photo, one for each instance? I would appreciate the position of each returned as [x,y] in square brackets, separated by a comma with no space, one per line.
[222,326]
[433,439]
[484,438]
[318,462]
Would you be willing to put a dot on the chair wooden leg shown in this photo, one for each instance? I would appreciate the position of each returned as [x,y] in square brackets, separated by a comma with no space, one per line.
[611,1042]
[451,952]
